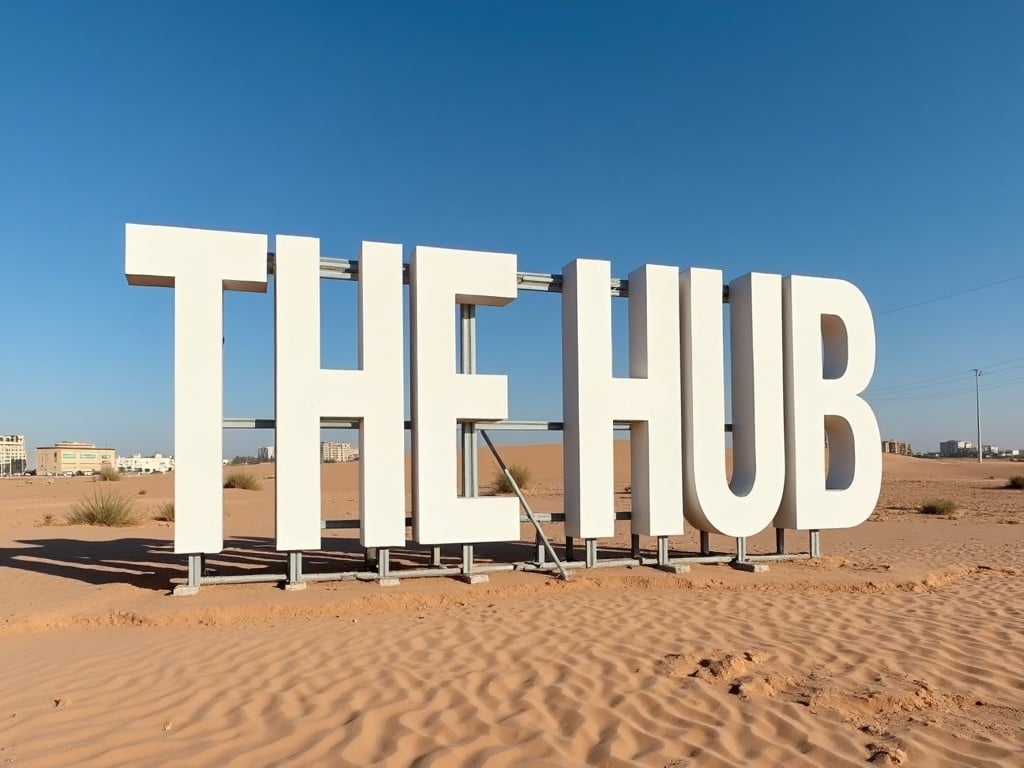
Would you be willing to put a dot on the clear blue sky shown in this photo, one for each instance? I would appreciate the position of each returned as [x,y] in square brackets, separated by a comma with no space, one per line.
[879,142]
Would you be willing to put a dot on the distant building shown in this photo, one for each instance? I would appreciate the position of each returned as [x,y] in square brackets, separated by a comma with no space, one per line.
[60,458]
[13,459]
[990,450]
[954,448]
[265,453]
[145,464]
[338,452]
[892,445]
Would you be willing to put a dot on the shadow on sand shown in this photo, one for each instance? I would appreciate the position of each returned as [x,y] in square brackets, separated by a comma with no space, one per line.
[152,563]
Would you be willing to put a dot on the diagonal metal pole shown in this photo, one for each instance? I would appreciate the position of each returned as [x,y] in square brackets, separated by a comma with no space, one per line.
[526,506]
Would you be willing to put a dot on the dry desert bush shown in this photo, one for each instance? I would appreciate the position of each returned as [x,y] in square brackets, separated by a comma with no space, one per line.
[942,507]
[242,480]
[520,473]
[109,474]
[166,511]
[106,508]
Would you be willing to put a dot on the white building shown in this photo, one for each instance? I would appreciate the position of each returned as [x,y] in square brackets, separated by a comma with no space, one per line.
[145,464]
[265,453]
[13,459]
[338,452]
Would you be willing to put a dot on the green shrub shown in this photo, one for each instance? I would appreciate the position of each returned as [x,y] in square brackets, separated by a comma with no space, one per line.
[103,508]
[520,473]
[109,473]
[243,481]
[166,511]
[944,507]
[1017,481]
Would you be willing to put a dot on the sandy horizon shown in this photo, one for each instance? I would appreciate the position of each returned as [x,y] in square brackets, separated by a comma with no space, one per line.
[902,644]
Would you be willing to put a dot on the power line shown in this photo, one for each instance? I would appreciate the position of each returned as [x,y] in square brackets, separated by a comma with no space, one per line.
[922,384]
[940,395]
[907,389]
[950,295]
[935,380]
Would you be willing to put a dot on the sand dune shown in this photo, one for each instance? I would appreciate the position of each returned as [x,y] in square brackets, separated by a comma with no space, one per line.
[904,644]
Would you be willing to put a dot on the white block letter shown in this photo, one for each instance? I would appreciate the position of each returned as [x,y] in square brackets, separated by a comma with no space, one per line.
[649,399]
[305,392]
[439,279]
[829,356]
[200,265]
[748,503]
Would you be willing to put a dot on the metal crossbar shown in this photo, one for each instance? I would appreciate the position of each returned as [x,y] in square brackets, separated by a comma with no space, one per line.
[545,282]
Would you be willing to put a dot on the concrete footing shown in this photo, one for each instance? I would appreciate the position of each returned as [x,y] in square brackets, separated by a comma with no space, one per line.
[473,578]
[749,567]
[390,581]
[184,590]
[673,567]
[294,586]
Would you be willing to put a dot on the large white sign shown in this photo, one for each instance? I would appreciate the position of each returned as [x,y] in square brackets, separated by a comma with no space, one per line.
[802,352]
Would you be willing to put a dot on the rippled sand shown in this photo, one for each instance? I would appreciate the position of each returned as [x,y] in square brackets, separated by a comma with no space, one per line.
[903,645]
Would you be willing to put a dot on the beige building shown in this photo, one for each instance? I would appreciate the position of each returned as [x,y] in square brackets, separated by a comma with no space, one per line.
[892,445]
[338,452]
[13,459]
[61,458]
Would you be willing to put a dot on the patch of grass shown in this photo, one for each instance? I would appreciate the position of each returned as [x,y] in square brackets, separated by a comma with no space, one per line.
[243,481]
[942,507]
[1017,481]
[109,474]
[103,508]
[520,473]
[166,511]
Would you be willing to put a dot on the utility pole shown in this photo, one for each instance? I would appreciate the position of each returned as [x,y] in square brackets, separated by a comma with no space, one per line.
[977,406]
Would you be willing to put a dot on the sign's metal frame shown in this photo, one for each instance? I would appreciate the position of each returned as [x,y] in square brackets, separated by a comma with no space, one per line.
[378,566]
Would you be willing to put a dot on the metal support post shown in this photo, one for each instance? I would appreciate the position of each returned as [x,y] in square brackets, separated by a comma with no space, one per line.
[195,575]
[815,543]
[634,546]
[744,563]
[470,468]
[538,541]
[780,541]
[705,543]
[384,577]
[570,549]
[469,575]
[295,582]
[435,557]
[664,563]
[590,553]
[977,407]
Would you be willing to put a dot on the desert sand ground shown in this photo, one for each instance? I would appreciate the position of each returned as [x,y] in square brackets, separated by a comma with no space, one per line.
[903,644]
